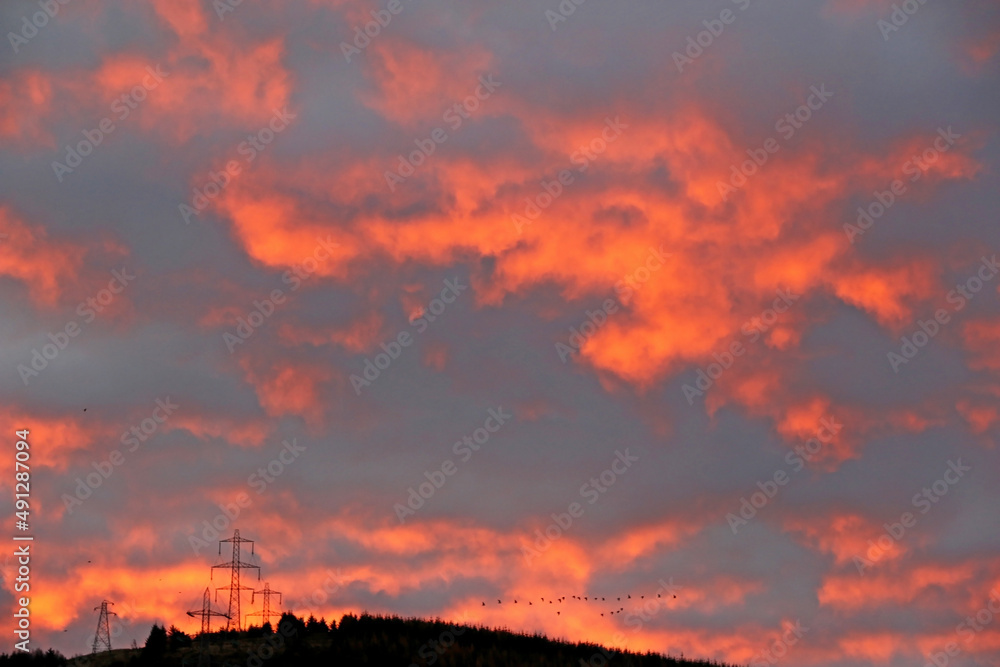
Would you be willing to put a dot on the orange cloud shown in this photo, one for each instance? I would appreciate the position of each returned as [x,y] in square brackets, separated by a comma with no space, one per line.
[891,584]
[289,388]
[44,266]
[25,106]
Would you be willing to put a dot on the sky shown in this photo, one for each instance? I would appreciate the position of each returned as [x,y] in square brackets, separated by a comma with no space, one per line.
[444,303]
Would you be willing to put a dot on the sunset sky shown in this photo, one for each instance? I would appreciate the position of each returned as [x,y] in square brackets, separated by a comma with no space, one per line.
[448,302]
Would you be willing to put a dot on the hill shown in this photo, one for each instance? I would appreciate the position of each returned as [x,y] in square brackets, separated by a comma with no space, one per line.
[358,640]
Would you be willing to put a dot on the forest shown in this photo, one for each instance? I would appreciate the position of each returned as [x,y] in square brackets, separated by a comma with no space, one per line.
[355,640]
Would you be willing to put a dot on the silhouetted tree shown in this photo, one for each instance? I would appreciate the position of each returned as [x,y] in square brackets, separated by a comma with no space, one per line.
[156,645]
[291,625]
[314,627]
[48,658]
[177,638]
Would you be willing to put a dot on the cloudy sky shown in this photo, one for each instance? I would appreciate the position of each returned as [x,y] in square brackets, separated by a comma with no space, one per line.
[449,302]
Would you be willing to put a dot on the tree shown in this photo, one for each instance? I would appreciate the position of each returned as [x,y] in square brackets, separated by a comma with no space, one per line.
[314,626]
[291,625]
[177,638]
[292,628]
[156,643]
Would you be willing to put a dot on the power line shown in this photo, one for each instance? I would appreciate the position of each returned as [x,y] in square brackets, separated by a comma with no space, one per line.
[266,593]
[234,588]
[206,613]
[103,634]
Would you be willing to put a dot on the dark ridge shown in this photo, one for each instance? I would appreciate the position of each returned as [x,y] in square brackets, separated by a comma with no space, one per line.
[358,640]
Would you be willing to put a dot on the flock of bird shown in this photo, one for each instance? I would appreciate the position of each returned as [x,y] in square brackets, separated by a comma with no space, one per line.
[585,598]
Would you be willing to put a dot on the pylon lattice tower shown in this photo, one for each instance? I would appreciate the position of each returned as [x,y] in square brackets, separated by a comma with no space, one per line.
[206,613]
[234,588]
[103,634]
[266,593]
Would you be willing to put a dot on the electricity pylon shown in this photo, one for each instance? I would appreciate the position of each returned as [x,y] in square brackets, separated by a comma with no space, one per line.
[234,587]
[266,593]
[103,634]
[206,613]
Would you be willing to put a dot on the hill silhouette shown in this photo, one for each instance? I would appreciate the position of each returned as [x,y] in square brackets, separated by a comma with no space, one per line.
[357,640]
